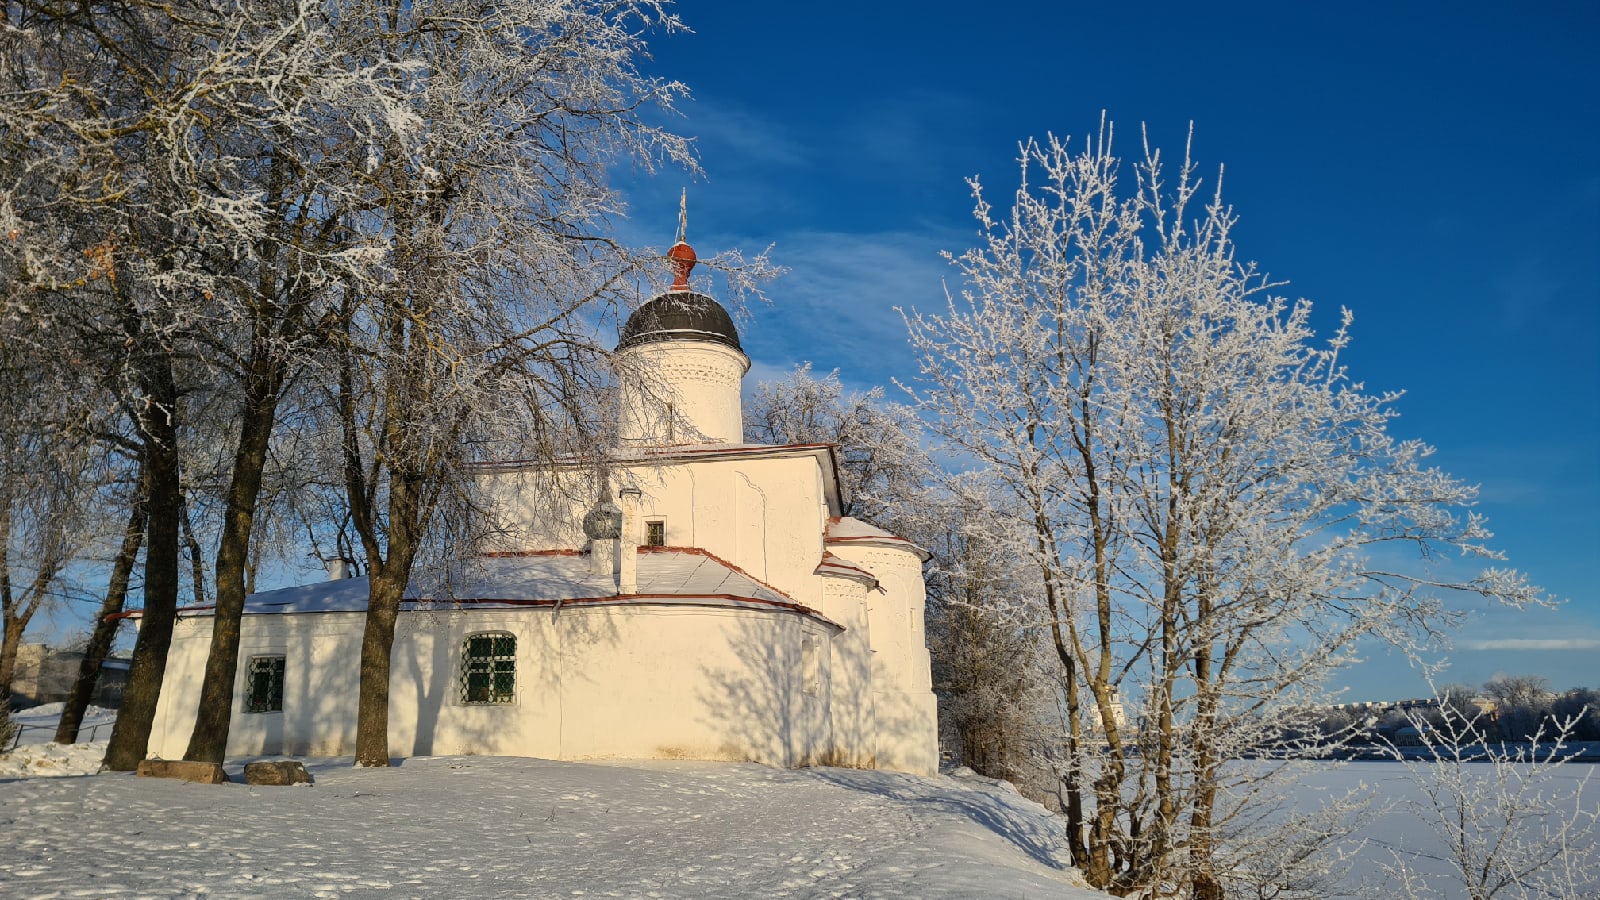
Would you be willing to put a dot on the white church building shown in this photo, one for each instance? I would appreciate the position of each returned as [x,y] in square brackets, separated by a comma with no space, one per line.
[708,602]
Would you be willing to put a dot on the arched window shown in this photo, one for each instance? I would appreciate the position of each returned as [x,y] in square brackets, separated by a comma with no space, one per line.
[489,668]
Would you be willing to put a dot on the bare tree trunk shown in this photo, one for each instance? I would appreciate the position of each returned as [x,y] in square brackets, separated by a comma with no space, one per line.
[105,626]
[209,741]
[9,643]
[197,568]
[1202,845]
[130,737]
[16,611]
[377,646]
[386,591]
[8,650]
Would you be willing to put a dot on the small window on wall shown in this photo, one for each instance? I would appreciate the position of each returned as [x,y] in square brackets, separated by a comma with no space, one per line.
[489,668]
[264,684]
[655,533]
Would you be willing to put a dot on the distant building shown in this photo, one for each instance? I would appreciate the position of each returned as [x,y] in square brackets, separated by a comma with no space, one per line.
[699,597]
[1480,705]
[45,674]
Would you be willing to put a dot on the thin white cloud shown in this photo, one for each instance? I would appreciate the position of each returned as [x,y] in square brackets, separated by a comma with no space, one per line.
[836,305]
[1533,644]
[725,127]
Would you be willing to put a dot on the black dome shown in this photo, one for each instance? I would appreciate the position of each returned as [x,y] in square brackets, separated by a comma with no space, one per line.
[680,316]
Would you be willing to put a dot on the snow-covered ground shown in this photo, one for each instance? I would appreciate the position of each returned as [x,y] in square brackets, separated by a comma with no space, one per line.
[1404,828]
[493,826]
[37,724]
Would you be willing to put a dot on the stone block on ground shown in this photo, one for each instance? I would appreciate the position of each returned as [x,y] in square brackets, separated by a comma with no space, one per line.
[183,770]
[276,772]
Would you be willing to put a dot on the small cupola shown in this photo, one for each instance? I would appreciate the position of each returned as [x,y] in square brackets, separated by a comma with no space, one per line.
[603,528]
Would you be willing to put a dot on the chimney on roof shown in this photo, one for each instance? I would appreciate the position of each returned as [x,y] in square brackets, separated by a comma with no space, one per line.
[338,569]
[628,551]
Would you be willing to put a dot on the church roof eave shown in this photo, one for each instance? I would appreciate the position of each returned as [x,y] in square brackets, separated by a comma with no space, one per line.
[826,454]
[838,568]
[847,531]
[667,576]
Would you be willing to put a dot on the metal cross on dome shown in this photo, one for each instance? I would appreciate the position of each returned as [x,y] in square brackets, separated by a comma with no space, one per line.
[683,216]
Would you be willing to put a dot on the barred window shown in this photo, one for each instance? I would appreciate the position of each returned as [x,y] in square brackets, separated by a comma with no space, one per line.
[655,533]
[264,684]
[489,668]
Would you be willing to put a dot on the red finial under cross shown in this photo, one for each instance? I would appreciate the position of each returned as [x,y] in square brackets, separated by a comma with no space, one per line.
[681,254]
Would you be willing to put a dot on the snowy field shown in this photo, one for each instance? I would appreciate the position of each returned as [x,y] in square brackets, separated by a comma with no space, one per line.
[1403,827]
[509,827]
[506,827]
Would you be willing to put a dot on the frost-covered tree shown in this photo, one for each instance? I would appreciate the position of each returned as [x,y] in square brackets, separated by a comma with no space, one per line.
[995,699]
[1522,704]
[487,212]
[226,205]
[150,196]
[1198,486]
[79,107]
[882,464]
[1513,820]
[50,481]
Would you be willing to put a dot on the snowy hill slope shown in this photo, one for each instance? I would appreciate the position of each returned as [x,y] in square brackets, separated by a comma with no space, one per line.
[487,826]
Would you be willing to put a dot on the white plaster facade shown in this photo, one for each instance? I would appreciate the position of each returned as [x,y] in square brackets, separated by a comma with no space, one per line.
[681,392]
[766,628]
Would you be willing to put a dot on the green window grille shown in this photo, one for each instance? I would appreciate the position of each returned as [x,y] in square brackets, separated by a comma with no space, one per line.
[489,668]
[265,683]
[655,534]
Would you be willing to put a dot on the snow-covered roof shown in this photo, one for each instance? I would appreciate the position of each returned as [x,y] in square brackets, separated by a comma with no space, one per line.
[833,565]
[344,595]
[666,576]
[845,530]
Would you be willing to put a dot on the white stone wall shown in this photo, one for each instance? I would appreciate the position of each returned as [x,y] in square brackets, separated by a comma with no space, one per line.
[680,392]
[760,513]
[628,681]
[854,722]
[635,682]
[905,713]
[319,686]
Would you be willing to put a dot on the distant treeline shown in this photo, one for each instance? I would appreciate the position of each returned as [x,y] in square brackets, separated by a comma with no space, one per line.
[1507,708]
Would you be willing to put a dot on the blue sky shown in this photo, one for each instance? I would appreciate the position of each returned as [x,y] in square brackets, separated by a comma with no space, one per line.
[1431,166]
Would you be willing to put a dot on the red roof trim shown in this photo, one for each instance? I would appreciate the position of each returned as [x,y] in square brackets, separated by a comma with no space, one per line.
[829,561]
[883,539]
